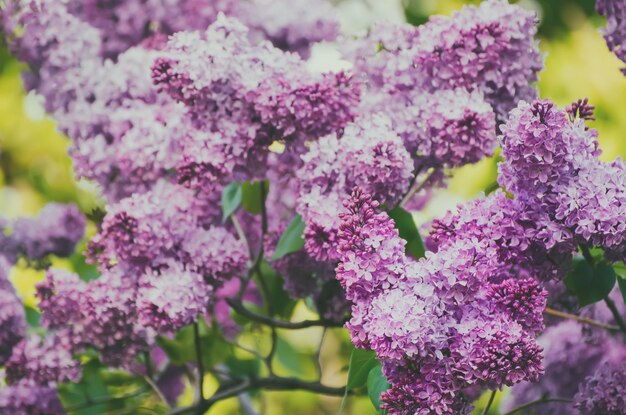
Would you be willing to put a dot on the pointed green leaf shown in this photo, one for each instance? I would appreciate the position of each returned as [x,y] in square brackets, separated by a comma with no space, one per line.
[361,362]
[291,240]
[251,199]
[376,384]
[590,283]
[231,199]
[408,231]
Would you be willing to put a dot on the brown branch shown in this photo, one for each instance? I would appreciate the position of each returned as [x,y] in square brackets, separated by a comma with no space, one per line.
[272,383]
[584,320]
[281,324]
[537,402]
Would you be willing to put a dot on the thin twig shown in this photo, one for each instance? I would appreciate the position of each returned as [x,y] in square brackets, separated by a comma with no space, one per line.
[491,398]
[156,389]
[416,189]
[281,324]
[274,383]
[104,400]
[318,354]
[537,402]
[198,345]
[584,320]
[616,315]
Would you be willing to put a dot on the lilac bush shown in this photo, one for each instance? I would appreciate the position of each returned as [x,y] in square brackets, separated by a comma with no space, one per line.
[238,183]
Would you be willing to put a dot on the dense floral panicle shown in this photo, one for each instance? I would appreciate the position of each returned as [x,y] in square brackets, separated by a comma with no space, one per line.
[461,316]
[145,228]
[60,296]
[542,149]
[171,298]
[603,392]
[216,254]
[523,299]
[446,128]
[275,20]
[48,38]
[372,252]
[413,393]
[42,361]
[384,53]
[615,30]
[570,357]
[368,155]
[27,398]
[126,23]
[280,93]
[489,48]
[54,231]
[100,314]
[551,166]
[12,319]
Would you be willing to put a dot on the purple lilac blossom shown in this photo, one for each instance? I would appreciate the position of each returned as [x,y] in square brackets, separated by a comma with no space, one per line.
[439,315]
[368,154]
[55,230]
[567,194]
[276,21]
[615,30]
[570,358]
[603,392]
[277,99]
[101,314]
[27,398]
[12,319]
[447,128]
[43,361]
[171,298]
[488,48]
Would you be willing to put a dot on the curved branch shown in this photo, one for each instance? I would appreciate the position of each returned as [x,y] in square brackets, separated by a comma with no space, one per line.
[281,324]
[273,383]
[584,320]
[537,402]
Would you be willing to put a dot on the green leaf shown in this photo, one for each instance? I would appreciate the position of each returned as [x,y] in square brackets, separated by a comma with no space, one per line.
[251,193]
[291,240]
[244,367]
[231,199]
[361,362]
[376,384]
[408,231]
[621,282]
[290,358]
[32,316]
[91,387]
[590,283]
[282,304]
[182,348]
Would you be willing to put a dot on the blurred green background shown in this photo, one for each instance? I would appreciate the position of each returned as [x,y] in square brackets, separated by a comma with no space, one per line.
[35,167]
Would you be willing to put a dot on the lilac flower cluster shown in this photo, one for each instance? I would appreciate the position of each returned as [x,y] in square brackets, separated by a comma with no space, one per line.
[456,317]
[34,365]
[574,362]
[55,230]
[42,361]
[489,49]
[101,314]
[602,393]
[368,155]
[568,196]
[27,398]
[615,30]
